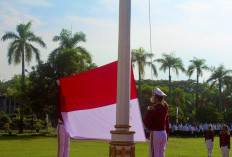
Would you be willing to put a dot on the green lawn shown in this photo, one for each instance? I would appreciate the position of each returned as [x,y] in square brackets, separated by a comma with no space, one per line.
[41,146]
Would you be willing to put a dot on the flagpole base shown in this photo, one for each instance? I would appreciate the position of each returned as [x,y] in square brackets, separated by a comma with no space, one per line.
[122,149]
[122,143]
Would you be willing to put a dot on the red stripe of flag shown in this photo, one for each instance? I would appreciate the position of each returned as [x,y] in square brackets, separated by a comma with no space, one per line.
[92,89]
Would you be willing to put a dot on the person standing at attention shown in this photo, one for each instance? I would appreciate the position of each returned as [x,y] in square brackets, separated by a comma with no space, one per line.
[209,138]
[62,135]
[225,141]
[157,122]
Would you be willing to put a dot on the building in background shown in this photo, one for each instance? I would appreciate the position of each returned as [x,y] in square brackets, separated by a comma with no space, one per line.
[8,105]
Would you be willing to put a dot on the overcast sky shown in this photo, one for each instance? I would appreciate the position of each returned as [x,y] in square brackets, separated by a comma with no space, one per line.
[190,28]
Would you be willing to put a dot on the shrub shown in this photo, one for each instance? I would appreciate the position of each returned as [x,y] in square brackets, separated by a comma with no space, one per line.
[38,125]
[4,118]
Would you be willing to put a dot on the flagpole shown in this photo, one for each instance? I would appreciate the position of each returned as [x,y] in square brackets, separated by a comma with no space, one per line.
[122,140]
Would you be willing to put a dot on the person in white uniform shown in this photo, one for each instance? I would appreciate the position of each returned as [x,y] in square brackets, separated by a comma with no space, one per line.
[157,121]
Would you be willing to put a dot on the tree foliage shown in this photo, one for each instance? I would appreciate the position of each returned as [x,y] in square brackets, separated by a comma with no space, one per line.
[170,62]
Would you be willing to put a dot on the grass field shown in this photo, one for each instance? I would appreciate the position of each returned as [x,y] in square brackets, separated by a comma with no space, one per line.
[42,146]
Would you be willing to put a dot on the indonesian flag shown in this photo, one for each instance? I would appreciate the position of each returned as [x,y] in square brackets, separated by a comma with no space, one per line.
[225,103]
[89,108]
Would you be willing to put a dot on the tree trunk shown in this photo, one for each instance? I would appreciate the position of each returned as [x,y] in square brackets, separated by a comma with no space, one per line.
[140,90]
[197,100]
[220,95]
[23,90]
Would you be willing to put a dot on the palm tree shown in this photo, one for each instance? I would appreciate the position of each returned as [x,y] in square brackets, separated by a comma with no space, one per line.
[68,41]
[21,50]
[154,72]
[198,65]
[169,61]
[219,75]
[139,57]
[228,85]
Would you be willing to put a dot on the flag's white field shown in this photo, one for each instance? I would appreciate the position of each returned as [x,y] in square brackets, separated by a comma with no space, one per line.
[89,110]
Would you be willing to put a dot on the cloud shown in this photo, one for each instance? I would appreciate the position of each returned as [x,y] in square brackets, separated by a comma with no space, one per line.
[91,21]
[215,15]
[196,10]
[110,6]
[191,28]
[102,37]
[215,47]
[42,3]
[10,16]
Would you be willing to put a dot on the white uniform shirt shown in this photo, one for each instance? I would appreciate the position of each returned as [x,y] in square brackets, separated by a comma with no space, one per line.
[196,129]
[186,128]
[190,127]
[219,127]
[205,127]
[193,128]
[174,128]
[230,128]
[214,127]
[180,127]
[200,128]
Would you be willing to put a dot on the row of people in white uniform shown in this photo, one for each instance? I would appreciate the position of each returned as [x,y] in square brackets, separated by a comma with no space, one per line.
[196,127]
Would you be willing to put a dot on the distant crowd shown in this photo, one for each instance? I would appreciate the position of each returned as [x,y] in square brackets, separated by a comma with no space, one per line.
[195,130]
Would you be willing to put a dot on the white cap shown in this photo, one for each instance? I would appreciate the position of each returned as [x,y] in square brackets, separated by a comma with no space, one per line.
[159,92]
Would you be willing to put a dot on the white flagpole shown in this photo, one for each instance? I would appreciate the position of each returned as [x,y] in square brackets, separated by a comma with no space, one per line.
[122,140]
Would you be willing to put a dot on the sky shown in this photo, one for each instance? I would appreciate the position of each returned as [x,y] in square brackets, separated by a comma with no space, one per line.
[189,28]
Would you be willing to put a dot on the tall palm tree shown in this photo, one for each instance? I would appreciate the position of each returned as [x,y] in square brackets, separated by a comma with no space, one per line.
[21,50]
[198,65]
[139,57]
[67,40]
[219,75]
[169,61]
[151,64]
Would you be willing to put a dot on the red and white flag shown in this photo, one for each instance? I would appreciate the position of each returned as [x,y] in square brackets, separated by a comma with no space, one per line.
[89,108]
